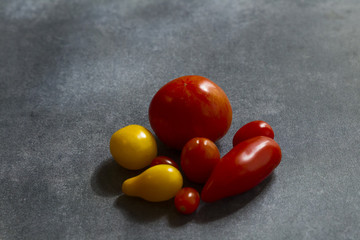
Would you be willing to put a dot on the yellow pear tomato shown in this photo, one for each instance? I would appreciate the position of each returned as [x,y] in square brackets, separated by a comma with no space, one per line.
[158,183]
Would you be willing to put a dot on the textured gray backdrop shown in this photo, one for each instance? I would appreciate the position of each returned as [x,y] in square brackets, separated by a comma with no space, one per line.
[74,72]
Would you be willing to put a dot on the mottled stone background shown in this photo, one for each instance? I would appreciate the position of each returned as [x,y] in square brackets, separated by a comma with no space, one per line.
[73,72]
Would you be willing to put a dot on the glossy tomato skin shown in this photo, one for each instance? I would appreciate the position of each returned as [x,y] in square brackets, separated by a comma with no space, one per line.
[156,184]
[198,159]
[241,169]
[253,129]
[188,107]
[187,200]
[133,147]
[163,160]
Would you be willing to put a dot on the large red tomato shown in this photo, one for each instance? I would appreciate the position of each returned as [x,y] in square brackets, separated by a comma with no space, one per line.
[188,107]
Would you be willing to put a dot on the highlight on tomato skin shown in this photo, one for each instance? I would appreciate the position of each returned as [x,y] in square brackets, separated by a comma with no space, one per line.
[253,129]
[187,200]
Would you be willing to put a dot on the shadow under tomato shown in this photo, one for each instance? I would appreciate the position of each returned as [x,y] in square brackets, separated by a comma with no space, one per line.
[108,177]
[163,150]
[209,212]
[139,210]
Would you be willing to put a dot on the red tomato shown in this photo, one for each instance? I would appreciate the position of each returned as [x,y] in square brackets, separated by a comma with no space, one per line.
[253,129]
[163,160]
[188,107]
[187,200]
[198,158]
[241,169]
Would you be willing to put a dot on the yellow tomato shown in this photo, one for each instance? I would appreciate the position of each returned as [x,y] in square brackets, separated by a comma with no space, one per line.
[133,147]
[156,184]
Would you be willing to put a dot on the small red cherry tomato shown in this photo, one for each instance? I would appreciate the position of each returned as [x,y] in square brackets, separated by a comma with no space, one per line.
[187,200]
[163,160]
[253,129]
[198,158]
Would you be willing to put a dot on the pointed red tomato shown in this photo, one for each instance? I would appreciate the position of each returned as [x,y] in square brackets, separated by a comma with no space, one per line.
[253,129]
[241,169]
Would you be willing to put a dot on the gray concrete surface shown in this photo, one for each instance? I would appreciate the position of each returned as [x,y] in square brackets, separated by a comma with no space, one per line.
[73,72]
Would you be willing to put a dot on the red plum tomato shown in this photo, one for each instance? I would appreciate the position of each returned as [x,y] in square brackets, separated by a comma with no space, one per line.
[244,167]
[187,200]
[163,160]
[188,107]
[253,129]
[198,158]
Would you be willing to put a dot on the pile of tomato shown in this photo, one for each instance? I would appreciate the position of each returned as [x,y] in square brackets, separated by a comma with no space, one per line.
[189,114]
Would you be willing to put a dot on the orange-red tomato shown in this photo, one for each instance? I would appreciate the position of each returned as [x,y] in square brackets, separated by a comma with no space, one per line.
[198,158]
[188,107]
